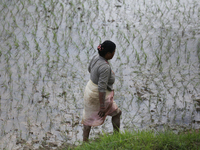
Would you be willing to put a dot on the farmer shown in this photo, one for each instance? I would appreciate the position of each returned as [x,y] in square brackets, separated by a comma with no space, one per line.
[99,93]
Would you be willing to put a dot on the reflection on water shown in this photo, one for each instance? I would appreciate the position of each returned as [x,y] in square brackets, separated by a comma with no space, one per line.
[45,48]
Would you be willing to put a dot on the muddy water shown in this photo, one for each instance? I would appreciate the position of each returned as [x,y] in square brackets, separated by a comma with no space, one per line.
[45,47]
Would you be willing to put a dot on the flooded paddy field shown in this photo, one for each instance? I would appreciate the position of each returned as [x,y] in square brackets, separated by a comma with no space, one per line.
[45,48]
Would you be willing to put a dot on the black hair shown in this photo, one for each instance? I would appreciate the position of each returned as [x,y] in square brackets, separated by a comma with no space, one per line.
[105,47]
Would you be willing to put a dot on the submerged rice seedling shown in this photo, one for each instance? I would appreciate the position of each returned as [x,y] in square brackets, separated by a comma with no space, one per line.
[38,40]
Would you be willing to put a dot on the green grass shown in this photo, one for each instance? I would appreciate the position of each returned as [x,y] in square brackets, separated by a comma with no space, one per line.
[166,140]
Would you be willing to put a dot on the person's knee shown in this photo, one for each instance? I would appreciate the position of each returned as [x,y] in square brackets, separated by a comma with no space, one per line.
[120,113]
[87,127]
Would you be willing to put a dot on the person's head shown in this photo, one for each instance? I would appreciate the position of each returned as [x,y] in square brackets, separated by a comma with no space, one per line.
[107,49]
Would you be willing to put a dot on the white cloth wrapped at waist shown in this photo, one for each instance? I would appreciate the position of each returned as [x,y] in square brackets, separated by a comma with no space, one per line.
[92,105]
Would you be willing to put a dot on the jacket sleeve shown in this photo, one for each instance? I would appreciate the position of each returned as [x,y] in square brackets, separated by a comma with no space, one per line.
[104,74]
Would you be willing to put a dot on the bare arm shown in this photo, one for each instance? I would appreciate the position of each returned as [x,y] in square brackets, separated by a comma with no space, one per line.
[102,110]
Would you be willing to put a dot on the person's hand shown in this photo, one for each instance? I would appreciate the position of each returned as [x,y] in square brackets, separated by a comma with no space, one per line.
[102,112]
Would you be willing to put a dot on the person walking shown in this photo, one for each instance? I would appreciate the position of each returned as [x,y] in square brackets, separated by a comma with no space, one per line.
[99,92]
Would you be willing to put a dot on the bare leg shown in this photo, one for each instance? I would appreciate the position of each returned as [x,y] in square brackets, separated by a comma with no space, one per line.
[116,122]
[86,132]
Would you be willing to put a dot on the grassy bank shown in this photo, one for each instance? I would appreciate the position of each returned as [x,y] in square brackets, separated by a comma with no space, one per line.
[145,140]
